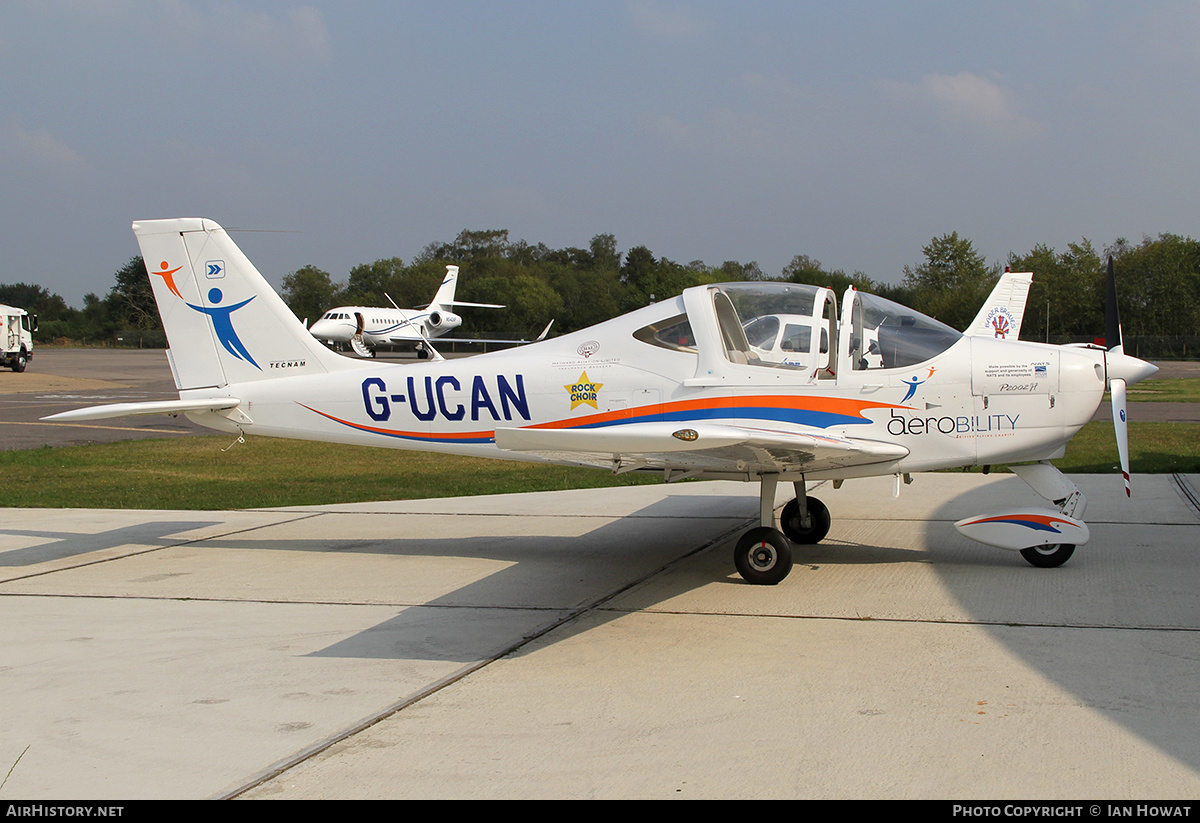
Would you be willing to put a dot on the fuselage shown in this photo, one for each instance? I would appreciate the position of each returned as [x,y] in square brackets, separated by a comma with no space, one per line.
[975,401]
[380,326]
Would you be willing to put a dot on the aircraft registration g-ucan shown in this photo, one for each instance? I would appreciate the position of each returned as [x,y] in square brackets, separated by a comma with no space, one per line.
[762,382]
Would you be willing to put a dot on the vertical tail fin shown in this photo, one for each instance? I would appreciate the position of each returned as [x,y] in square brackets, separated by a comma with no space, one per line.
[224,322]
[1004,309]
[444,299]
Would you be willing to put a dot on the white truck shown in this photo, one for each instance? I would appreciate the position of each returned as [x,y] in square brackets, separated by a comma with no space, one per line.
[16,345]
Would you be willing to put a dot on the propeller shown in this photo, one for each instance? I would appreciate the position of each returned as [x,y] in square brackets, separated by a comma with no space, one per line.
[1116,386]
[1121,370]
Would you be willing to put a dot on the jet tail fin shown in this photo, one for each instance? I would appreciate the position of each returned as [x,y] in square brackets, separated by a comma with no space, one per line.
[444,298]
[224,322]
[1004,309]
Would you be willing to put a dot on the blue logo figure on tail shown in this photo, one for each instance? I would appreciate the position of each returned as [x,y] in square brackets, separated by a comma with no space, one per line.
[223,325]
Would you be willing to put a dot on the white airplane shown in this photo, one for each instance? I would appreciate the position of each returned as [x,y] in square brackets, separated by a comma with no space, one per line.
[673,388]
[364,327]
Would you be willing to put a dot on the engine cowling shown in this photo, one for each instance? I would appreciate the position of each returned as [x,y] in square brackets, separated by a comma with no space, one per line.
[443,320]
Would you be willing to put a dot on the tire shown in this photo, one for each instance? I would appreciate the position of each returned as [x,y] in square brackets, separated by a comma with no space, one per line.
[819,518]
[20,361]
[1049,556]
[763,556]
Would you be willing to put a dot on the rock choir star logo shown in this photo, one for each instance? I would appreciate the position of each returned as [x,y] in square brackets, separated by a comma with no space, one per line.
[583,392]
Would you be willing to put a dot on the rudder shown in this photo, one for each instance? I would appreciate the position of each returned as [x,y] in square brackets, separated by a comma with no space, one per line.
[224,322]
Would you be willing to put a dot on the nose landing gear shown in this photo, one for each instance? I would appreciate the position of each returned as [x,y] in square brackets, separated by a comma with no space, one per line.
[763,555]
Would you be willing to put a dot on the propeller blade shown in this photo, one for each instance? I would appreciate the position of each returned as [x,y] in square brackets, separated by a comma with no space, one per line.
[1121,425]
[1112,316]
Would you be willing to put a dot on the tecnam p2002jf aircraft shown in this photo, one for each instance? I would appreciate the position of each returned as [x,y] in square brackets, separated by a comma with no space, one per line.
[675,387]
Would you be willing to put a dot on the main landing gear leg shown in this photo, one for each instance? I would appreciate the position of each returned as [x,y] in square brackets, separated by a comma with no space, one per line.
[763,556]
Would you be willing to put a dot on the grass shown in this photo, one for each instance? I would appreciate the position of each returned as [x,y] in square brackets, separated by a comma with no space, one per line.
[194,473]
[1175,390]
[1154,448]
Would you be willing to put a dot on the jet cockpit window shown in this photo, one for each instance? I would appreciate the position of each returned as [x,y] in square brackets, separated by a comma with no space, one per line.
[886,335]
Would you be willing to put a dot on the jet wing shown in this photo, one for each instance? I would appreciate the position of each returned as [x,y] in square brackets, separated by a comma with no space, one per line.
[699,447]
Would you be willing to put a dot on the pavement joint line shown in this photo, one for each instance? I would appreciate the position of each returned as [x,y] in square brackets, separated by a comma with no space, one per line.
[911,621]
[1189,495]
[281,766]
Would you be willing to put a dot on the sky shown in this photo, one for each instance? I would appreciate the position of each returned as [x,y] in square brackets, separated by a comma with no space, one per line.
[338,133]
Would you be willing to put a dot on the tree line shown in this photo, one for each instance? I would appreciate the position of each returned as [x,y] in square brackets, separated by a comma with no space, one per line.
[1158,282]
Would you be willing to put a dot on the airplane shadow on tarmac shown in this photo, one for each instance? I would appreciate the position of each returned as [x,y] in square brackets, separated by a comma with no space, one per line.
[1115,626]
[64,545]
[544,579]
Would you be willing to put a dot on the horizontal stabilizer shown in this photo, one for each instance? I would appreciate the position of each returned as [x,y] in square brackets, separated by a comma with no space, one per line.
[130,409]
[473,305]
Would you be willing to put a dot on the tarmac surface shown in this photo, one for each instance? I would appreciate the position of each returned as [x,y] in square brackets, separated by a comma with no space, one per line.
[598,644]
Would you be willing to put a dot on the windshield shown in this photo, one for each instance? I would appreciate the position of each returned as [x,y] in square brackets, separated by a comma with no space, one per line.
[886,335]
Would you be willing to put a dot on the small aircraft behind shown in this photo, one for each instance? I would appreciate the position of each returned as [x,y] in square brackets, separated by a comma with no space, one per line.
[364,328]
[674,388]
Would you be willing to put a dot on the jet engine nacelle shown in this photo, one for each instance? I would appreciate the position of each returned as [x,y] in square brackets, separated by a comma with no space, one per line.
[1024,529]
[443,320]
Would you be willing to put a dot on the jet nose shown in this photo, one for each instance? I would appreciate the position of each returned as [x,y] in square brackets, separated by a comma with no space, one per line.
[324,329]
[1122,366]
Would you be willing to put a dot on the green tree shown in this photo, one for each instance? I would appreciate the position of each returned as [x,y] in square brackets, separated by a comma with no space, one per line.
[370,284]
[131,301]
[35,300]
[1066,298]
[309,292]
[953,281]
[1158,285]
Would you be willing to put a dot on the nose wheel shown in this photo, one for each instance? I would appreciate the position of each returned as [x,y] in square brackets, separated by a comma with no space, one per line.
[1049,556]
[763,556]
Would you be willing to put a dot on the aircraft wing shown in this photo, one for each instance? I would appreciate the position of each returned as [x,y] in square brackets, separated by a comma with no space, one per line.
[699,447]
[440,339]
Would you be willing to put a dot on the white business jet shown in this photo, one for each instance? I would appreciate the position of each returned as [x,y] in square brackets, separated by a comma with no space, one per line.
[364,327]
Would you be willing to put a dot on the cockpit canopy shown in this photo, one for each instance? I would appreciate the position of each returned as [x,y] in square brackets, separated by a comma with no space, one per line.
[797,327]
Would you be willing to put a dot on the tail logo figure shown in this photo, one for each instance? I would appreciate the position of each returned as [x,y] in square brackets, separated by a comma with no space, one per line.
[168,276]
[222,321]
[1001,322]
[912,384]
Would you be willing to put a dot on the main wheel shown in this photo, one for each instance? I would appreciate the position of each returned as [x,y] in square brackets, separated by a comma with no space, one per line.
[763,556]
[1050,556]
[818,517]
